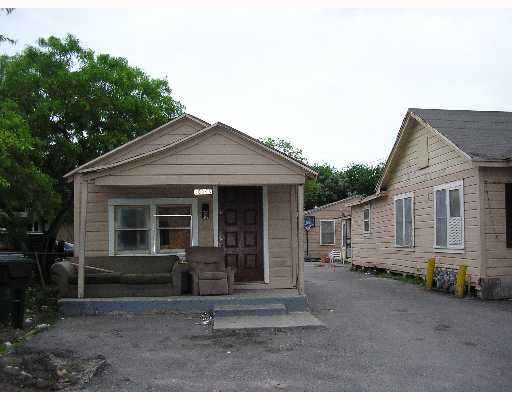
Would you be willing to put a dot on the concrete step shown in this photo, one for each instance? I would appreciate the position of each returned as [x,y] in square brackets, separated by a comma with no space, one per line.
[237,309]
[189,304]
[290,320]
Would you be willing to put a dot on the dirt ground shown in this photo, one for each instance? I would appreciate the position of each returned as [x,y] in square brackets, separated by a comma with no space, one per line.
[382,335]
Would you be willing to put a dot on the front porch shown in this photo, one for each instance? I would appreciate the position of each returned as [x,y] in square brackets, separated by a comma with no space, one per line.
[290,298]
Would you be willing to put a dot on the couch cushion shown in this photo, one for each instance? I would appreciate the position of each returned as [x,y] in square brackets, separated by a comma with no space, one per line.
[212,275]
[145,278]
[97,278]
[134,264]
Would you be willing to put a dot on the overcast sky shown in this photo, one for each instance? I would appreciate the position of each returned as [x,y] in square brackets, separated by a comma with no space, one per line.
[335,82]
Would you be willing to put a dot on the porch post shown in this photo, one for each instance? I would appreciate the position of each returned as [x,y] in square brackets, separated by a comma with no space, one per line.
[81,254]
[215,215]
[300,236]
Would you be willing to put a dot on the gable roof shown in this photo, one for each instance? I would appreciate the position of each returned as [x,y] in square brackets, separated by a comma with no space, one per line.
[347,200]
[482,135]
[477,135]
[309,171]
[137,139]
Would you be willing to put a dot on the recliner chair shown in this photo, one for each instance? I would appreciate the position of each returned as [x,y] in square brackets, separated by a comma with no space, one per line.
[210,276]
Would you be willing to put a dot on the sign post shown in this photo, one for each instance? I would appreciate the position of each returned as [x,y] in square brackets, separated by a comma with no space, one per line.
[309,222]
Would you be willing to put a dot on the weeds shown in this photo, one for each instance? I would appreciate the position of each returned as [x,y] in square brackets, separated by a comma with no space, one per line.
[40,312]
[382,273]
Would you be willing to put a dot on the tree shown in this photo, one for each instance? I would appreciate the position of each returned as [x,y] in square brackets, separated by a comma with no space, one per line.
[285,147]
[2,37]
[79,105]
[25,191]
[331,184]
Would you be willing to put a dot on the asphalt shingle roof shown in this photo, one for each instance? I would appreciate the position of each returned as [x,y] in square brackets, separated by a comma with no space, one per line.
[482,135]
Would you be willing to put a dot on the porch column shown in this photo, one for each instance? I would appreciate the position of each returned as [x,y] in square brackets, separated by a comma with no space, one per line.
[300,235]
[83,227]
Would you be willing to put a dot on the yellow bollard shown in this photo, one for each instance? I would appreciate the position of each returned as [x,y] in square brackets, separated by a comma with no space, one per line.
[460,281]
[429,276]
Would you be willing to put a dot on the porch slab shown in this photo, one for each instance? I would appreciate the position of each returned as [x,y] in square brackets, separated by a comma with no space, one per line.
[293,301]
[303,319]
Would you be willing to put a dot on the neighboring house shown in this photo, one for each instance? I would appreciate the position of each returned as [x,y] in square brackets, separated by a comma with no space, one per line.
[446,192]
[35,231]
[331,228]
[189,183]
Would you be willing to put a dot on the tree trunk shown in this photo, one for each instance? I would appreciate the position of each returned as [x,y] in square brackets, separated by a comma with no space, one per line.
[46,259]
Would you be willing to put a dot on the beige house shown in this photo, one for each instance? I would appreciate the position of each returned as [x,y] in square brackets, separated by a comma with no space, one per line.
[191,183]
[329,228]
[446,192]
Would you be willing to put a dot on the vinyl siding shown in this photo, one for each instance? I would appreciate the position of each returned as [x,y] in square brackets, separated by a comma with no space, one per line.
[498,256]
[97,212]
[282,227]
[445,164]
[218,158]
[282,199]
[162,137]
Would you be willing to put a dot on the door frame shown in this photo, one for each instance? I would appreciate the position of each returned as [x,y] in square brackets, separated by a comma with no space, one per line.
[266,257]
[343,242]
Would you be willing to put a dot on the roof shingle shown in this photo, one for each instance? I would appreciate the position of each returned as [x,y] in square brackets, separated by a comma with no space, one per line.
[482,135]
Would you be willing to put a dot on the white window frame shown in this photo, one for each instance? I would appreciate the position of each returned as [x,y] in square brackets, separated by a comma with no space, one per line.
[447,186]
[152,203]
[369,219]
[343,226]
[409,195]
[334,231]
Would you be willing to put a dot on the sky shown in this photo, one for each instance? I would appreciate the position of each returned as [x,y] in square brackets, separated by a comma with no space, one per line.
[335,82]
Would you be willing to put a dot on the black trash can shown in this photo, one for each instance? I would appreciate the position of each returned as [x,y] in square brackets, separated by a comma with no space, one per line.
[15,275]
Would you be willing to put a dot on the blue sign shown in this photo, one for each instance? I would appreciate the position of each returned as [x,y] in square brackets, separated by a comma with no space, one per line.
[309,222]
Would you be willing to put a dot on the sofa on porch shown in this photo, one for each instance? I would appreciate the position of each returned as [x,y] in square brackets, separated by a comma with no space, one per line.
[131,276]
[205,273]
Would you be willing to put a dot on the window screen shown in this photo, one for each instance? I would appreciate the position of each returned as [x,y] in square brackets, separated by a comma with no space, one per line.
[404,221]
[131,228]
[449,215]
[366,220]
[326,232]
[174,225]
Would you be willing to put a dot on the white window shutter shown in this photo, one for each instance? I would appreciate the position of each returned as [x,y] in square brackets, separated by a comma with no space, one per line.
[456,222]
[455,233]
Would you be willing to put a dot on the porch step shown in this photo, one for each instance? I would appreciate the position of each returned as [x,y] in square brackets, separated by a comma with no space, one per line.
[290,298]
[237,309]
[287,321]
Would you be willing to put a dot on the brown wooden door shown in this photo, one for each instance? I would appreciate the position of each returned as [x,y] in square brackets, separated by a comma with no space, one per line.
[241,231]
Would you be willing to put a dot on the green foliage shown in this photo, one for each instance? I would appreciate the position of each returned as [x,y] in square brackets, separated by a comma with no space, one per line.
[285,147]
[23,186]
[78,105]
[331,184]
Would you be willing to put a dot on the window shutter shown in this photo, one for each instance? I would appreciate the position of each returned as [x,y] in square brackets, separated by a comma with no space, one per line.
[408,234]
[440,217]
[508,212]
[455,218]
[399,222]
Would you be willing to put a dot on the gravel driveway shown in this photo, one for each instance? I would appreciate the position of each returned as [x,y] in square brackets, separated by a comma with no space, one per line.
[382,335]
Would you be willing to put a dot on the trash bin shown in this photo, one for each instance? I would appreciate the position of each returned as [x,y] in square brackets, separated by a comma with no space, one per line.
[15,274]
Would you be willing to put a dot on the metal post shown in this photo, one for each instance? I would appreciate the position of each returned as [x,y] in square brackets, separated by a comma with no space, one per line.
[460,281]
[429,276]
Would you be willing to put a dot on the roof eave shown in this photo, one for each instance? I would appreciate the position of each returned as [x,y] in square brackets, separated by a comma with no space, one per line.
[69,175]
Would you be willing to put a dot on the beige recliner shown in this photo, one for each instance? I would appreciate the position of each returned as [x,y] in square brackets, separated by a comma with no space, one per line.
[210,276]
